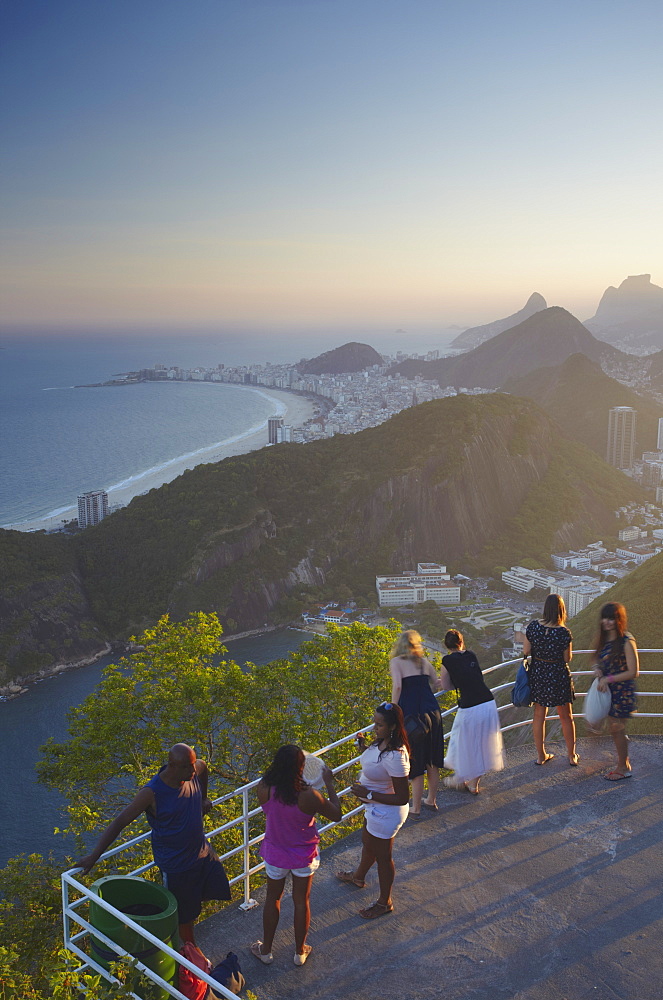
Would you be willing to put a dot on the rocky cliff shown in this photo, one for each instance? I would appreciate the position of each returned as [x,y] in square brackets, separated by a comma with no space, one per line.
[467,481]
[630,316]
[45,617]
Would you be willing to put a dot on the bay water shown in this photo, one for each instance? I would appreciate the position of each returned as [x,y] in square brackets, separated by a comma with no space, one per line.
[29,812]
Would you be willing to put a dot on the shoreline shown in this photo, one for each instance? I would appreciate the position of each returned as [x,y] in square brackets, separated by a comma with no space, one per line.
[20,685]
[293,407]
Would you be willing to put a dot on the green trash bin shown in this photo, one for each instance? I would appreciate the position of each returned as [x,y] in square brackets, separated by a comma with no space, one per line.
[149,905]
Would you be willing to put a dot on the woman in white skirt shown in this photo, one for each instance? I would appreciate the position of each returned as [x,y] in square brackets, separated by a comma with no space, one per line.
[383,786]
[475,742]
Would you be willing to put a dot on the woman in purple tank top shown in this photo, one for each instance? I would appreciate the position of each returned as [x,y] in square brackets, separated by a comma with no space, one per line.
[291,843]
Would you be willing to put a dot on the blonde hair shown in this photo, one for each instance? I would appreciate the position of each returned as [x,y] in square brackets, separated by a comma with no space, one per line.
[409,645]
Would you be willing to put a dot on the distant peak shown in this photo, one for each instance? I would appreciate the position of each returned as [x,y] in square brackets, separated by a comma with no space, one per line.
[536,300]
[635,282]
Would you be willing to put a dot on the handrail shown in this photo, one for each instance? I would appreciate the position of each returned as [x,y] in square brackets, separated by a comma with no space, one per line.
[69,882]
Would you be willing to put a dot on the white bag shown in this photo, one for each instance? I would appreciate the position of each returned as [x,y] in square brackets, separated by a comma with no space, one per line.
[597,704]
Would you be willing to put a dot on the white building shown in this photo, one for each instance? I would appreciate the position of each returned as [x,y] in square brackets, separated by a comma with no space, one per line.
[630,534]
[579,598]
[572,560]
[431,582]
[92,507]
[621,436]
[523,580]
[273,426]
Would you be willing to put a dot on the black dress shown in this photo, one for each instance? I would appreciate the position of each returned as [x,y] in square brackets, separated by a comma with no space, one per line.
[418,699]
[550,679]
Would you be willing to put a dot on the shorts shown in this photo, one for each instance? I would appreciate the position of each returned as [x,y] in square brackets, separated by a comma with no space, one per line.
[384,821]
[206,880]
[278,873]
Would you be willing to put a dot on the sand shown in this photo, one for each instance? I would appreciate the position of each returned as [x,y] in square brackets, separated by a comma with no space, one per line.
[294,409]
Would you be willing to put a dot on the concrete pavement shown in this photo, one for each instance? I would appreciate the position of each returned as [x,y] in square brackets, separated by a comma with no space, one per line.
[546,886]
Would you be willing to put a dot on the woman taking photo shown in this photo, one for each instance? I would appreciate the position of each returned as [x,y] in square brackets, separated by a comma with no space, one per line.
[383,786]
[475,742]
[413,680]
[291,843]
[616,665]
[548,640]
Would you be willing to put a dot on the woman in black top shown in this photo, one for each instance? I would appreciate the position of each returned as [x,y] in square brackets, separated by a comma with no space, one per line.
[475,742]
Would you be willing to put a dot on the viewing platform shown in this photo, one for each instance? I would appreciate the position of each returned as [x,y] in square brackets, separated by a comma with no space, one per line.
[546,886]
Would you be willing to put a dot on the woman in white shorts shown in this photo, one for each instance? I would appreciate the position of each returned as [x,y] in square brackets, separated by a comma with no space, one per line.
[291,843]
[383,786]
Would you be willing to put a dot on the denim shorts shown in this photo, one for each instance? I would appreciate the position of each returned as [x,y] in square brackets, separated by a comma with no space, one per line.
[278,873]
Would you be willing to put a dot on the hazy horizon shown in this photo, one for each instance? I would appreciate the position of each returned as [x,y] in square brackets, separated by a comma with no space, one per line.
[324,165]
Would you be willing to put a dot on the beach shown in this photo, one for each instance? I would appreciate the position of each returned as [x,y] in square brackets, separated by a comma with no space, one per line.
[293,408]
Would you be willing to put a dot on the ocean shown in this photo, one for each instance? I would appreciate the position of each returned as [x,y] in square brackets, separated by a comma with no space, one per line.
[58,441]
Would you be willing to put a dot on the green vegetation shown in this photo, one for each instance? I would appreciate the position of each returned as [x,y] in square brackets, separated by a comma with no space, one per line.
[473,482]
[578,395]
[578,492]
[179,687]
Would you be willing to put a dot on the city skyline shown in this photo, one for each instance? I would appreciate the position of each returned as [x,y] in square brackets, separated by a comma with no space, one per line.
[325,164]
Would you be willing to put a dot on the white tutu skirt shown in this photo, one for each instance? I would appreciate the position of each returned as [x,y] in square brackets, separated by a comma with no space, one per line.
[475,742]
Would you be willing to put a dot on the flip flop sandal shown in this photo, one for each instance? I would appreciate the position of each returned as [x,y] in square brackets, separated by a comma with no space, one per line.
[434,808]
[265,959]
[349,879]
[617,775]
[376,910]
[548,756]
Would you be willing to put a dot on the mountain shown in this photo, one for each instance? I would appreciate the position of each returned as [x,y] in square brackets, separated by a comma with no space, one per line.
[350,357]
[472,481]
[578,395]
[45,616]
[478,334]
[640,592]
[546,338]
[652,367]
[631,315]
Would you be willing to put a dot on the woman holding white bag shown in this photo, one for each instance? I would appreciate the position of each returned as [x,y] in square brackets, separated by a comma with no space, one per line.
[616,666]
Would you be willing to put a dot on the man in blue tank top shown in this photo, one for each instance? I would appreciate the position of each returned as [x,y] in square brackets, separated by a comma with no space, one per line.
[174,801]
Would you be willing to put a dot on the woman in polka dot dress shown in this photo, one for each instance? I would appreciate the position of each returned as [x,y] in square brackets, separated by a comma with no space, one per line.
[616,665]
[549,642]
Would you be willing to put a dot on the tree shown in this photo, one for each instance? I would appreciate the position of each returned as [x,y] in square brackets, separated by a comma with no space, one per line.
[179,687]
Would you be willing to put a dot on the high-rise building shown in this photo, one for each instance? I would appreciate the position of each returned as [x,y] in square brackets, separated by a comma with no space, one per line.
[621,436]
[92,507]
[273,425]
[659,443]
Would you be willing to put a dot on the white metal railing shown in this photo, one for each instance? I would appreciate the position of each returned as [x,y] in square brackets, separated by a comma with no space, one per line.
[70,884]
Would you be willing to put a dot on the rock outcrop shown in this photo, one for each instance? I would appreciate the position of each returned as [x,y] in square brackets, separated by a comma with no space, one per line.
[352,357]
[630,316]
[478,334]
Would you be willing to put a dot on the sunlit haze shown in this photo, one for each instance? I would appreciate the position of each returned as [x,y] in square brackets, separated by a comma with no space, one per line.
[325,163]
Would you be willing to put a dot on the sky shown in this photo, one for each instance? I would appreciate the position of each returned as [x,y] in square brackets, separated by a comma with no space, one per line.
[274,164]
